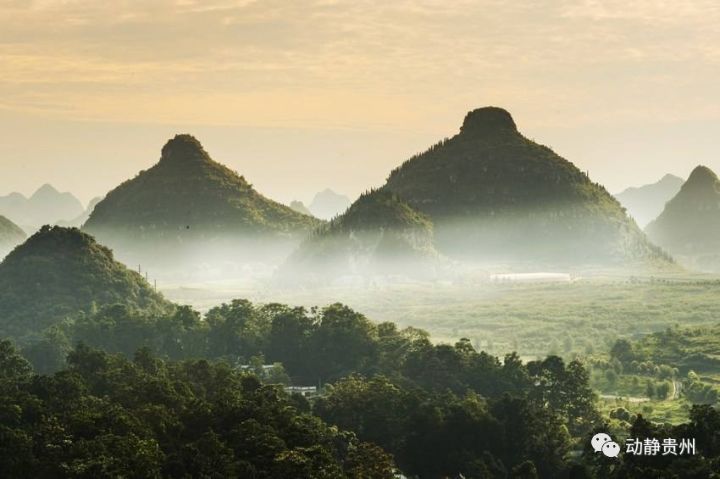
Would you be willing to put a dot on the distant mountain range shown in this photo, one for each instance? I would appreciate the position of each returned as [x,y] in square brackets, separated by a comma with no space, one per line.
[187,198]
[689,226]
[300,207]
[59,272]
[491,194]
[645,203]
[327,204]
[78,221]
[46,206]
[11,235]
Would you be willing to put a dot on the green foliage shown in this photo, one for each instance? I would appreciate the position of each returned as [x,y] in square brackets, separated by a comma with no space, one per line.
[466,434]
[492,192]
[703,426]
[13,367]
[59,272]
[412,385]
[188,195]
[108,417]
[698,392]
[662,390]
[10,235]
[622,351]
[379,232]
[682,350]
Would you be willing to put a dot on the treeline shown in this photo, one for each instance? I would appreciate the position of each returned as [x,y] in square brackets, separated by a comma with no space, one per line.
[164,394]
[108,417]
[703,463]
[440,410]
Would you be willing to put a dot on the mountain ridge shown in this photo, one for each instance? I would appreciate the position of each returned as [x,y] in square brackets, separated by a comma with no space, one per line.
[10,236]
[644,203]
[378,233]
[689,226]
[45,206]
[186,188]
[492,192]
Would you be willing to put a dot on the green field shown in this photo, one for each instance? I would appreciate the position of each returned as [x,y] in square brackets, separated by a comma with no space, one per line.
[583,317]
[580,318]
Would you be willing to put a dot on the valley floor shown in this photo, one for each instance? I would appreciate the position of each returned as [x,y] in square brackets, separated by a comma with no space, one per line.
[534,319]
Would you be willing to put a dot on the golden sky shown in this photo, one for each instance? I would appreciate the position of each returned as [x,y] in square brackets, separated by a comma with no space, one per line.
[301,95]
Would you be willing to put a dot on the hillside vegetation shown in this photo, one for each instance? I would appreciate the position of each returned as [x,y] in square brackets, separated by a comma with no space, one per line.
[59,272]
[378,233]
[10,236]
[492,193]
[187,194]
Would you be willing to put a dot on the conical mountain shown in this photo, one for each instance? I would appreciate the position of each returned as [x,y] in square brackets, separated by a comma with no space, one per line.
[58,272]
[494,194]
[690,223]
[186,189]
[187,201]
[645,203]
[379,233]
[11,235]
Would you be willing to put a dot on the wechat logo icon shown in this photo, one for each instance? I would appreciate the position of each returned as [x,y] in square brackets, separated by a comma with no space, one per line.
[602,442]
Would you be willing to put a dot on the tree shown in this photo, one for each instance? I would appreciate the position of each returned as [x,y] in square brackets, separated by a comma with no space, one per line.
[108,417]
[662,390]
[526,470]
[650,390]
[375,409]
[344,342]
[13,367]
[622,350]
[48,354]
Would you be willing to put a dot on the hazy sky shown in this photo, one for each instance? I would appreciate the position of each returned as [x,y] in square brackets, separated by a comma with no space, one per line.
[301,95]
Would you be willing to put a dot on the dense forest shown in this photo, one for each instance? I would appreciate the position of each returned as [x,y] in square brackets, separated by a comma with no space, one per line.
[129,393]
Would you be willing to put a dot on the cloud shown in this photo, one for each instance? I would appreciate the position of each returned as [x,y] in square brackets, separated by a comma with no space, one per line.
[276,59]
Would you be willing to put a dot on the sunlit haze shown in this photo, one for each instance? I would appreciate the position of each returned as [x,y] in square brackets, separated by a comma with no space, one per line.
[303,95]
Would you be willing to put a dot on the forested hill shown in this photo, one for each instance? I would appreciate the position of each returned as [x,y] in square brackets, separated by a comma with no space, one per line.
[492,192]
[690,222]
[377,233]
[188,193]
[58,272]
[10,235]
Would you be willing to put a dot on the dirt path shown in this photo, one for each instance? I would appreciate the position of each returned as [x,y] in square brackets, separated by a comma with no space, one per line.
[630,399]
[677,389]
